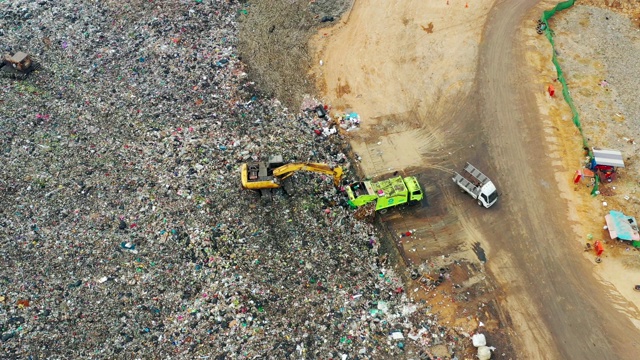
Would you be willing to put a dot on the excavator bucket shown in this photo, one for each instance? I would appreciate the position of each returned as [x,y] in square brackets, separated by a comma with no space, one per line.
[337,177]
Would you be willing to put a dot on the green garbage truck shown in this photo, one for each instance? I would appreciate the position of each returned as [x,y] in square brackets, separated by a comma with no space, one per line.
[386,193]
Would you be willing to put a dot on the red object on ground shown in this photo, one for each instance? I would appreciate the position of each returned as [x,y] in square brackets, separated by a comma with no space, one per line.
[551,90]
[577,177]
[598,247]
[604,168]
[606,172]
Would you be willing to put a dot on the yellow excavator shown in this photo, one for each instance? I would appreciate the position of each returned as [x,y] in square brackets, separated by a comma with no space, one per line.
[261,176]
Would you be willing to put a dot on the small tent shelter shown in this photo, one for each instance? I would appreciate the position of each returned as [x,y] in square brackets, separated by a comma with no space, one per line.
[606,157]
[605,162]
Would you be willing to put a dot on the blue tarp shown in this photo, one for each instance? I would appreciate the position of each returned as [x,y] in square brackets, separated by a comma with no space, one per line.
[621,226]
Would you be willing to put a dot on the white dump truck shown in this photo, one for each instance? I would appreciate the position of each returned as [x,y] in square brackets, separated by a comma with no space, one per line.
[477,185]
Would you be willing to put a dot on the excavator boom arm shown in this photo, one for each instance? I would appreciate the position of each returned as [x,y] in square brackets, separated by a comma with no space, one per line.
[287,170]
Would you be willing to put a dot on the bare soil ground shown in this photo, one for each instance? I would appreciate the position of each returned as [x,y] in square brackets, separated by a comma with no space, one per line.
[399,66]
[438,83]
[599,49]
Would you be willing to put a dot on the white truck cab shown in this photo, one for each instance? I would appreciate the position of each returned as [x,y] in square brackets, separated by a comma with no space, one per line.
[478,185]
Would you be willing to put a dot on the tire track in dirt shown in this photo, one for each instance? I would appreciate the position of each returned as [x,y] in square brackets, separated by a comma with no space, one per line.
[559,310]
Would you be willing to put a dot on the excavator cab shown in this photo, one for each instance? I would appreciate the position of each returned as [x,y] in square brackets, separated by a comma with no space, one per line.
[258,175]
[20,61]
[18,65]
[255,170]
[260,170]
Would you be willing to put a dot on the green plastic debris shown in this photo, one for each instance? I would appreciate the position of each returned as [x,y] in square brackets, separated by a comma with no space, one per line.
[594,191]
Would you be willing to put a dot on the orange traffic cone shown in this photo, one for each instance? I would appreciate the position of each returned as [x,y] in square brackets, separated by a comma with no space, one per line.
[466,5]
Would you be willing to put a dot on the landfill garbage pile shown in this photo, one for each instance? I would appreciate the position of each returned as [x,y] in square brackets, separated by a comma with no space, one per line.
[124,232]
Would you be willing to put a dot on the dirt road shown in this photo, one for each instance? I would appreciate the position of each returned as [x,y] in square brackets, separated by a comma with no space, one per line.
[427,105]
[540,262]
[580,319]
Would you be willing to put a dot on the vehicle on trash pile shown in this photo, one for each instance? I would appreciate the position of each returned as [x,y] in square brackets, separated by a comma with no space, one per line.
[271,175]
[17,66]
[477,184]
[386,193]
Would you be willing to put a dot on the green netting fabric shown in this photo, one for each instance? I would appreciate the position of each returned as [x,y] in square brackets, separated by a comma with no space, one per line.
[546,15]
[594,191]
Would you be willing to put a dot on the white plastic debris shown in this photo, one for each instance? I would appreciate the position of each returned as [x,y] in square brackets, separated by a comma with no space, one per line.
[479,340]
[418,335]
[383,307]
[484,353]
